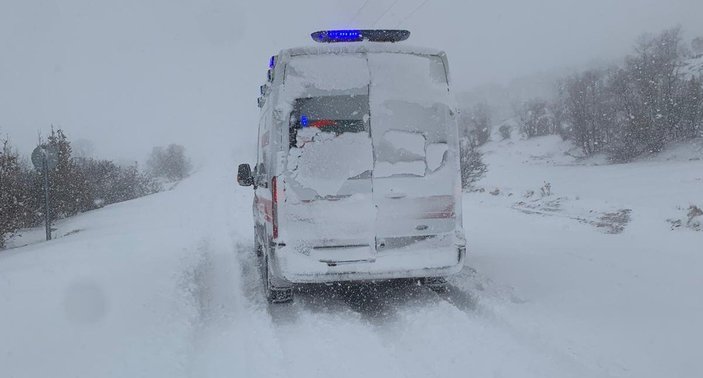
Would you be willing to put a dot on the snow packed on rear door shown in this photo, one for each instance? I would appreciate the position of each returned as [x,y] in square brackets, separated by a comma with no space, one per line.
[405,154]
[410,115]
[413,130]
[409,119]
[415,177]
[330,72]
[318,164]
[323,161]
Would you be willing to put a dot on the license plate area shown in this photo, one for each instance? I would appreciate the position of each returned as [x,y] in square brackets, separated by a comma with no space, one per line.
[345,254]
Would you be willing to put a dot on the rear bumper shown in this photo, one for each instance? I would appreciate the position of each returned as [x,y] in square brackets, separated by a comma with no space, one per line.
[295,266]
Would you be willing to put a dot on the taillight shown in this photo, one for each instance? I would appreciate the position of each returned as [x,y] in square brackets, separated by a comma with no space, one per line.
[274,207]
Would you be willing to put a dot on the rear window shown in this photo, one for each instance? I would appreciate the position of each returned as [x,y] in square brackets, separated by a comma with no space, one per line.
[331,114]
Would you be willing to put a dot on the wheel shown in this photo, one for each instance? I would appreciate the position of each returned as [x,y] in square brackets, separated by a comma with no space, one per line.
[437,284]
[258,248]
[275,294]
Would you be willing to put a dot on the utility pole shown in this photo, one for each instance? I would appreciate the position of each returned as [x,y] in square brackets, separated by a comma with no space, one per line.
[45,158]
[47,208]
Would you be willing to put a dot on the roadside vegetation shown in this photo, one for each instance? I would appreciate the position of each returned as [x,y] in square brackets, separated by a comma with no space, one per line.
[627,111]
[654,98]
[79,183]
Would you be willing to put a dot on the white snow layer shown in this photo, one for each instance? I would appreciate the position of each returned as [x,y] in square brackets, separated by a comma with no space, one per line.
[386,169]
[409,142]
[435,155]
[327,72]
[317,167]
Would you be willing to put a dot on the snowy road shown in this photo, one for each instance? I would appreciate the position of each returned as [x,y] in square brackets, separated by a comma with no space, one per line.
[168,286]
[393,330]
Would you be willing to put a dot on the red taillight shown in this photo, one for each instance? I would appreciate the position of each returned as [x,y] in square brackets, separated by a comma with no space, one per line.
[323,123]
[274,209]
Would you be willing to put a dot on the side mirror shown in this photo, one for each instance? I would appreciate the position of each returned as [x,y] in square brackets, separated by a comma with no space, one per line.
[244,177]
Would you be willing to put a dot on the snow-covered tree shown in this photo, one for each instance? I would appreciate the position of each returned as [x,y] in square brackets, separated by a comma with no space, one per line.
[69,190]
[697,46]
[480,121]
[14,195]
[170,162]
[630,110]
[110,183]
[655,102]
[536,119]
[590,110]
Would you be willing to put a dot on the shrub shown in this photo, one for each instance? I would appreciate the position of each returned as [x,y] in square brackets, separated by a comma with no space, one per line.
[472,166]
[505,132]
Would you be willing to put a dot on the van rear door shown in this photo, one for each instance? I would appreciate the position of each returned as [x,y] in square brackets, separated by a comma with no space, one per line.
[329,211]
[372,165]
[414,142]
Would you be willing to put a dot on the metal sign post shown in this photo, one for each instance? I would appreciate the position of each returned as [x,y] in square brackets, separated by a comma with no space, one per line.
[45,158]
[47,214]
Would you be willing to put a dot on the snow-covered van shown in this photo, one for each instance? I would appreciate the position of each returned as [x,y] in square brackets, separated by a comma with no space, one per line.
[357,172]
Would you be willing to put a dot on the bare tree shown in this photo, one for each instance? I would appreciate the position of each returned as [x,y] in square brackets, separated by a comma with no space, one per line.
[631,110]
[536,119]
[480,123]
[14,193]
[589,110]
[472,166]
[170,162]
[697,46]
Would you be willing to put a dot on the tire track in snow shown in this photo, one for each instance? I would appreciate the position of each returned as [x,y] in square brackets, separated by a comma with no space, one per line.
[397,329]
[447,334]
[229,339]
[472,306]
[319,335]
[419,332]
[440,334]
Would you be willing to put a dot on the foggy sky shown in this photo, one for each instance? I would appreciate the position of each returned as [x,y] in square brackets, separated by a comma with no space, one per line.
[131,74]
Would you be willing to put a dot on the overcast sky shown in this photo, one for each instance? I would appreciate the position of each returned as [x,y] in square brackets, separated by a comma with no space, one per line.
[131,74]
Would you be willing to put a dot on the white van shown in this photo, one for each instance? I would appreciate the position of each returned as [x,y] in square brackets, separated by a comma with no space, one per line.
[357,172]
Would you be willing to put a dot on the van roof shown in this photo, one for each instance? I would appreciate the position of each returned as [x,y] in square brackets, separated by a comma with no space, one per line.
[359,47]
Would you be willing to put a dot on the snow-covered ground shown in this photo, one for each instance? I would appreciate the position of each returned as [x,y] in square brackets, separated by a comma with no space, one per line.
[594,269]
[585,278]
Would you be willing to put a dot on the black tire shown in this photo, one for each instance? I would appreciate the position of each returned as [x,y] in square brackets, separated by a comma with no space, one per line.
[275,294]
[258,248]
[436,284]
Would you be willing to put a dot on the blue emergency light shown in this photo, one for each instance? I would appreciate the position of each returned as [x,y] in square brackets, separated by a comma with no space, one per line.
[331,36]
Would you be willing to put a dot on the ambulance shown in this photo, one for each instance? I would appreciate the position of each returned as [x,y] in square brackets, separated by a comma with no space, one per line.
[357,170]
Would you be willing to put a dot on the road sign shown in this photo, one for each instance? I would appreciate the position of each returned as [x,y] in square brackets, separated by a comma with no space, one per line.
[45,152]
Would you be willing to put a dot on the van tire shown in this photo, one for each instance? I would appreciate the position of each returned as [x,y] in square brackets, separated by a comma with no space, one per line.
[275,294]
[436,284]
[258,248]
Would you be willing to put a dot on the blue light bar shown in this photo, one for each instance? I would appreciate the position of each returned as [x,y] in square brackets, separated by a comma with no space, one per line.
[272,62]
[304,120]
[330,36]
[340,36]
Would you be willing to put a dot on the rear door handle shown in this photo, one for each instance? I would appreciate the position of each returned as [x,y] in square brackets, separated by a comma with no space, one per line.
[396,195]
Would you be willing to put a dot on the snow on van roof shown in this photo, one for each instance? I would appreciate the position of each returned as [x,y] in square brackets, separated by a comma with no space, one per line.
[360,47]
